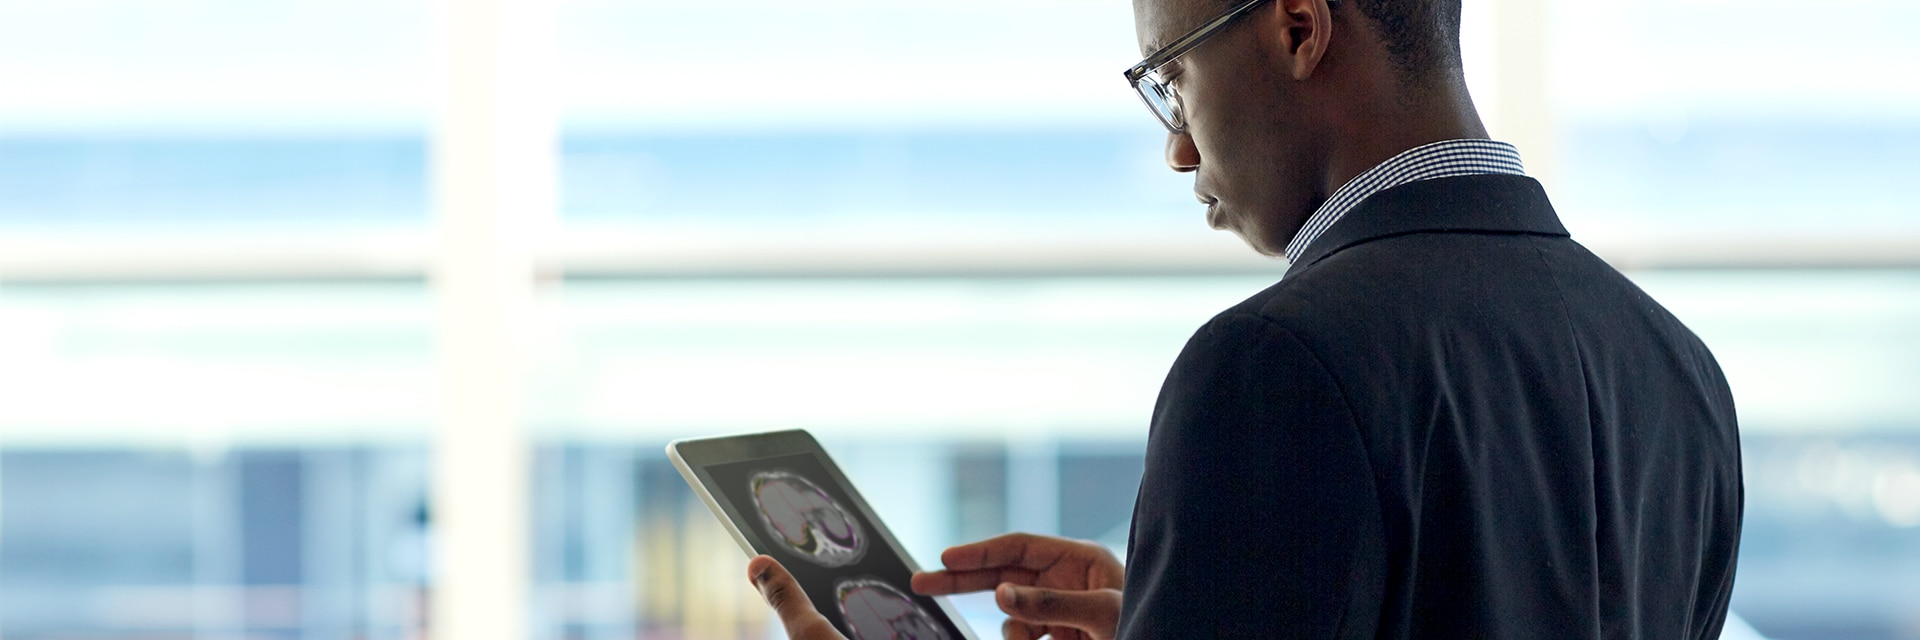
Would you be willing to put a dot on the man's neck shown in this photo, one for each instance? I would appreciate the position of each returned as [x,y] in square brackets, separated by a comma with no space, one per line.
[1392,125]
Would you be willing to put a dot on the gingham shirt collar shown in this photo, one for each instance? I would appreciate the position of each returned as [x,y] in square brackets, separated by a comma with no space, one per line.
[1444,159]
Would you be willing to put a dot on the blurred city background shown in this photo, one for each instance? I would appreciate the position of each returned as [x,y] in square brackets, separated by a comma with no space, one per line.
[939,235]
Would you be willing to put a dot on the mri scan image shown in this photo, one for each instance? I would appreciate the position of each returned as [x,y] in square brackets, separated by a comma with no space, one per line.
[801,516]
[874,610]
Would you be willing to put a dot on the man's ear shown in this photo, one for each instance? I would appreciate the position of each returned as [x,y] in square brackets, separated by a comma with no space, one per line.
[1297,34]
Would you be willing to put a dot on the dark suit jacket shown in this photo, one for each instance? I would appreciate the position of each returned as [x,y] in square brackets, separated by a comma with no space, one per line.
[1447,421]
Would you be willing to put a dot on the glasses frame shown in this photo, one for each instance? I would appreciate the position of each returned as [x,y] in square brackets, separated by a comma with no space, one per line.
[1145,76]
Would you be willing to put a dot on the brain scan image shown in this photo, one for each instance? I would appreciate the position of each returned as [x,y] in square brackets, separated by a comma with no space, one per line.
[874,610]
[796,512]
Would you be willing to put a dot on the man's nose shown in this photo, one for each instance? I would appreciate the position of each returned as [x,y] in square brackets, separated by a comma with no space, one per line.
[1182,156]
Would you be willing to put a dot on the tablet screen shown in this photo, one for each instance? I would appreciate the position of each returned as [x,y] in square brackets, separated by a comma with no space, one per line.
[790,508]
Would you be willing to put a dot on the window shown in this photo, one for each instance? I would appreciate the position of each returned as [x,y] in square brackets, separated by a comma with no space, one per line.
[965,268]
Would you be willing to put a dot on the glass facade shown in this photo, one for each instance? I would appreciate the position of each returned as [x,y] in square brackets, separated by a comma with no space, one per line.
[248,451]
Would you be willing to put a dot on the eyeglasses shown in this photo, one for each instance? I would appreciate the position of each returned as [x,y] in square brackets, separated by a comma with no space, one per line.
[1153,88]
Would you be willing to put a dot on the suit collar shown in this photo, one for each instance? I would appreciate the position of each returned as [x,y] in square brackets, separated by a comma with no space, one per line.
[1470,204]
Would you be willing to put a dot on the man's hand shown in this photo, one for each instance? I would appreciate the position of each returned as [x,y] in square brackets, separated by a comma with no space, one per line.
[1069,589]
[778,588]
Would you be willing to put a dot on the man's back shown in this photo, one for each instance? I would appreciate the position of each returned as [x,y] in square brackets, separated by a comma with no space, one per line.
[1448,420]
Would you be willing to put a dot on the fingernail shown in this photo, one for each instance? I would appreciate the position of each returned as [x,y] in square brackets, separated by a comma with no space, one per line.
[1012,596]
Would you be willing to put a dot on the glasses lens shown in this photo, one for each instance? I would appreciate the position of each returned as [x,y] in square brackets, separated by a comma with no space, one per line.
[1160,98]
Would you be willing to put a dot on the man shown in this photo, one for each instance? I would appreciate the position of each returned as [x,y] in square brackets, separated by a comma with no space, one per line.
[1447,420]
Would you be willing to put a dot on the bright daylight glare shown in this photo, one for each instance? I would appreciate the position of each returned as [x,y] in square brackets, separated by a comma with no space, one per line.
[223,342]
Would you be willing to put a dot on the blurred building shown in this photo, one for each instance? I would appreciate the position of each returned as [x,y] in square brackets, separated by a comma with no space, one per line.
[941,236]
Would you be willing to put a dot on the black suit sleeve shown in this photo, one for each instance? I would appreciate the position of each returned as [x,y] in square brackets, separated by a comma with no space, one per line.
[1257,516]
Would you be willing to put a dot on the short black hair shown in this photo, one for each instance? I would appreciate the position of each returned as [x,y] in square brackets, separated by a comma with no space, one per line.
[1422,36]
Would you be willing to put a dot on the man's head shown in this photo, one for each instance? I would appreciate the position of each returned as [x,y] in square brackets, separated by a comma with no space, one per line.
[1300,95]
[1422,36]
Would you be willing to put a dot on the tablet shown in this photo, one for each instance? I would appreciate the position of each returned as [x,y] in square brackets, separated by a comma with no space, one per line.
[779,493]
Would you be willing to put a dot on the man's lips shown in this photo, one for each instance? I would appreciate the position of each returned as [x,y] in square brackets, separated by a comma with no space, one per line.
[1213,218]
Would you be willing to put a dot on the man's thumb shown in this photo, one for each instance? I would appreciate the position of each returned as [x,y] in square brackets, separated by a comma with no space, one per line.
[782,593]
[1095,609]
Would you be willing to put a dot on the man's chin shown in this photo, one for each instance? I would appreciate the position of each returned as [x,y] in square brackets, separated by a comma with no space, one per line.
[1252,230]
[1259,243]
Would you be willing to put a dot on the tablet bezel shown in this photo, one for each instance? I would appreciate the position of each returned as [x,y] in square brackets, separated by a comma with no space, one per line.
[693,455]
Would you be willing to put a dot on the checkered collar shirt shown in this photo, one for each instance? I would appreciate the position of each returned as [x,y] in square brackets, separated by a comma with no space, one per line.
[1445,159]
